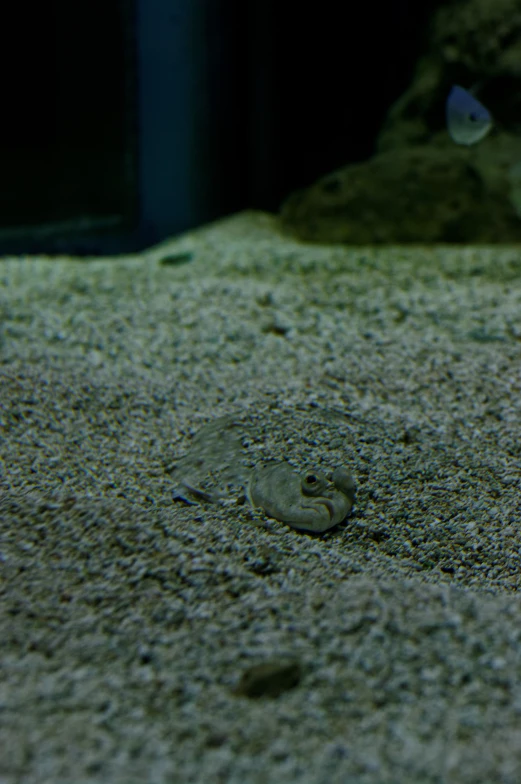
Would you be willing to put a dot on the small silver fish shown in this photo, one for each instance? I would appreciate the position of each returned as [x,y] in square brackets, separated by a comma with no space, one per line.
[468,121]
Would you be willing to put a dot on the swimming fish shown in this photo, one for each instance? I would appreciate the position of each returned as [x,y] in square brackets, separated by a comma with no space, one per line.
[468,121]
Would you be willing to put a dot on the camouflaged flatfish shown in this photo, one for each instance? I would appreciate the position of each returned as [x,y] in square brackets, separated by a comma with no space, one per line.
[310,501]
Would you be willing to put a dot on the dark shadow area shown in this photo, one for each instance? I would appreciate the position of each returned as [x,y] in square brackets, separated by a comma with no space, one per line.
[66,139]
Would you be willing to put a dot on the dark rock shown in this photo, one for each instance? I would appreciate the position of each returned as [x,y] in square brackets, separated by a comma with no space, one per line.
[269,679]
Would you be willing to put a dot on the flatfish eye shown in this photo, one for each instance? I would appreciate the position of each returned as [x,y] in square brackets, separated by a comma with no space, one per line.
[313,483]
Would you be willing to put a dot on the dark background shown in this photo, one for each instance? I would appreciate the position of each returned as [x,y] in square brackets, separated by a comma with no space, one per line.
[126,121]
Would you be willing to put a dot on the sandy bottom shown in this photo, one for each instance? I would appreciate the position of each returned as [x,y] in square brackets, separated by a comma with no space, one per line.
[146,639]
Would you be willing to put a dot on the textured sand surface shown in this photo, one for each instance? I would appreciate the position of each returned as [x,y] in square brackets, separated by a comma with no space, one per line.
[131,621]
